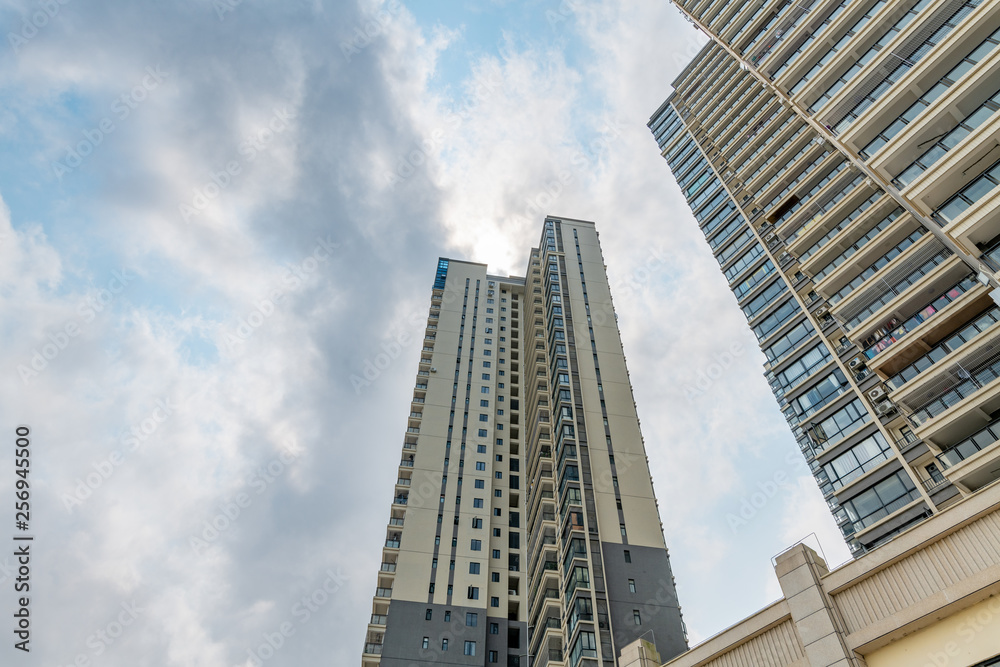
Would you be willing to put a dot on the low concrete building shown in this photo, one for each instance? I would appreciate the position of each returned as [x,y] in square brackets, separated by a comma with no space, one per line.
[929,598]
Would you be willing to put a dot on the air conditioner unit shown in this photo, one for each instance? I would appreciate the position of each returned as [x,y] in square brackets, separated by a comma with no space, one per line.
[822,312]
[856,363]
[433,370]
[770,236]
[885,408]
[877,393]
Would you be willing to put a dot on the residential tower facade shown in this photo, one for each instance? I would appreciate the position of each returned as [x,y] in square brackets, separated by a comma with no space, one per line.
[842,159]
[524,529]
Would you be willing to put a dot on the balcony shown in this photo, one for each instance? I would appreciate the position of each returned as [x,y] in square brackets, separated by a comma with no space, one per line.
[960,382]
[973,462]
[387,567]
[373,649]
[378,619]
[952,343]
[892,331]
[383,592]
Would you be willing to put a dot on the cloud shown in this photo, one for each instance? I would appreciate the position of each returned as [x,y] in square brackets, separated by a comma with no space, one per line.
[325,161]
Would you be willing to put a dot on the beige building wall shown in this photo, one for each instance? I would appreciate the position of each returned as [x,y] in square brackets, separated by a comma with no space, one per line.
[929,598]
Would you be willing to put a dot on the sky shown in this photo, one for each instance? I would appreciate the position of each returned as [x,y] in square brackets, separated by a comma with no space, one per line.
[217,213]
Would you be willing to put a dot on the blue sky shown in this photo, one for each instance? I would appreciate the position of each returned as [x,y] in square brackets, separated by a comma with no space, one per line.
[265,220]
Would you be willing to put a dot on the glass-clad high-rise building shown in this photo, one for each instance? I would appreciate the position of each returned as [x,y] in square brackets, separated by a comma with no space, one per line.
[524,529]
[842,158]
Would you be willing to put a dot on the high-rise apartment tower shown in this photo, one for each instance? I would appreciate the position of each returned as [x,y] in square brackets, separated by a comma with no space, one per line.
[842,158]
[524,530]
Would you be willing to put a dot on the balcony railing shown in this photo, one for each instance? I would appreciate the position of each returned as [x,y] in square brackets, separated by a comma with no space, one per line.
[378,619]
[971,446]
[880,341]
[963,380]
[375,649]
[932,484]
[942,349]
[383,592]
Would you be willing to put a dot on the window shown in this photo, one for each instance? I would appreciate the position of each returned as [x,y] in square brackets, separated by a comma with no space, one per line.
[480,449]
[477,522]
[498,493]
[434,563]
[470,648]
[493,656]
[473,592]
[483,433]
[628,556]
[486,376]
[499,442]
[444,644]
[487,352]
[447,616]
[631,585]
[428,614]
[480,484]
[495,577]
[496,532]
[494,602]
[494,628]
[477,545]
[499,457]
[484,418]
[477,502]
[480,465]
[486,364]
[485,403]
[471,620]
[430,589]
[498,474]
[636,617]
[622,526]
[496,553]
[426,643]
[473,569]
